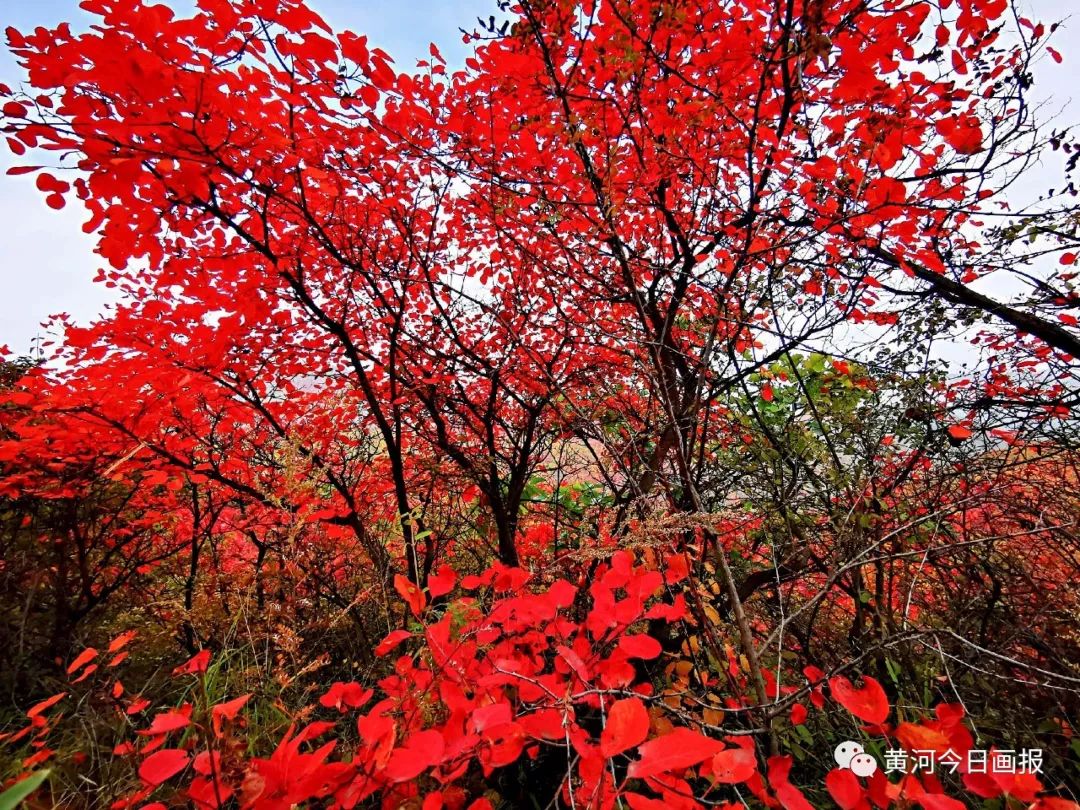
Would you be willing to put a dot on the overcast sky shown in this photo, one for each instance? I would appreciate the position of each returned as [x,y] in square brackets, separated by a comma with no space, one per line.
[47,263]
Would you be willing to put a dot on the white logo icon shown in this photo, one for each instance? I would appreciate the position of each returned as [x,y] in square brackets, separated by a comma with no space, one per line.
[851,755]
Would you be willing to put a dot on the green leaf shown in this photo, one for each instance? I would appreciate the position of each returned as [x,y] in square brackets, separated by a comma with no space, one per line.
[14,795]
[894,670]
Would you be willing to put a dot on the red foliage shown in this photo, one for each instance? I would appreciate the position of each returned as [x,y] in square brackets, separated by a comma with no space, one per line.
[363,311]
[867,702]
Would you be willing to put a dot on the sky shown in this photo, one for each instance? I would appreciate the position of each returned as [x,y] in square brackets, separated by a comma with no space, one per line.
[47,264]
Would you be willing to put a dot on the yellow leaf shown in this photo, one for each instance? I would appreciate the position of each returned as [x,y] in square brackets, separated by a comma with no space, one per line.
[714,717]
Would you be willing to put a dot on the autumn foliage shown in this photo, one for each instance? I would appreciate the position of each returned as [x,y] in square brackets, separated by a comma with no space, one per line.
[567,429]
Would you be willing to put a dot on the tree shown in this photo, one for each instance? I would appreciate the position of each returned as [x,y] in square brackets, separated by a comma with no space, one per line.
[385,307]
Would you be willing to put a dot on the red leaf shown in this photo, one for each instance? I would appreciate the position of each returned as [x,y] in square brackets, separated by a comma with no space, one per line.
[227,711]
[939,801]
[46,182]
[734,765]
[163,765]
[86,673]
[921,738]
[844,787]
[791,798]
[627,725]
[420,752]
[640,646]
[196,665]
[494,714]
[962,132]
[504,746]
[412,595]
[959,432]
[639,802]
[391,641]
[345,695]
[38,708]
[798,714]
[165,722]
[137,705]
[958,63]
[36,759]
[676,751]
[121,641]
[575,662]
[442,582]
[207,763]
[82,659]
[868,703]
[545,724]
